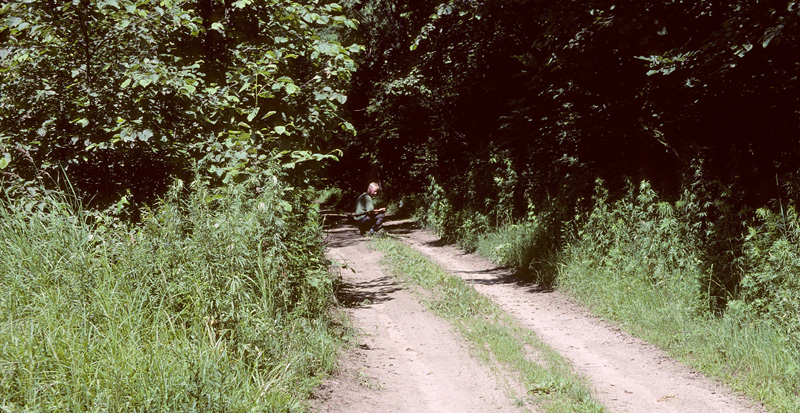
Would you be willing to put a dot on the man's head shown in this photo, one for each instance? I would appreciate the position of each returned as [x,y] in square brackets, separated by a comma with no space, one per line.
[373,188]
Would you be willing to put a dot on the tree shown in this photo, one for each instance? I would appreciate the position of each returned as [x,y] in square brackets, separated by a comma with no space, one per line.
[126,94]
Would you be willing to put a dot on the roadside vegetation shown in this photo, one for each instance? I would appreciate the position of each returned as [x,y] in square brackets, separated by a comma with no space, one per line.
[159,252]
[640,261]
[515,353]
[215,301]
[648,265]
[154,155]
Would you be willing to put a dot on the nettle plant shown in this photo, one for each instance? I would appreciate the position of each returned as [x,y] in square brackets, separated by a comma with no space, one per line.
[771,285]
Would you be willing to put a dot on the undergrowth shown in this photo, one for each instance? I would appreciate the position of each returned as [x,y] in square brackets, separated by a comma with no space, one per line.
[636,261]
[215,302]
[548,379]
[675,273]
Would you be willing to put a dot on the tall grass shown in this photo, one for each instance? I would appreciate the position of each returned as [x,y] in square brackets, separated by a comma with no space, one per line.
[639,262]
[215,302]
[528,246]
[771,285]
[636,244]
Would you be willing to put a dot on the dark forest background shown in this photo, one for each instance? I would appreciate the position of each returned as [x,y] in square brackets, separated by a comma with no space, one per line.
[510,108]
[566,93]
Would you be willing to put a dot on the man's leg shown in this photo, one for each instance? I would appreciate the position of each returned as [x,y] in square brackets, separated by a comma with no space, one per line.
[363,224]
[378,224]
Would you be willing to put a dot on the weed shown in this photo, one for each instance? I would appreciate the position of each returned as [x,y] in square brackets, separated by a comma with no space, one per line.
[771,286]
[366,381]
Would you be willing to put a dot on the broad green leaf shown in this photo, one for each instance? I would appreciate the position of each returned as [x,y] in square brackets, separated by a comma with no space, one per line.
[145,135]
[126,83]
[13,21]
[5,160]
[253,114]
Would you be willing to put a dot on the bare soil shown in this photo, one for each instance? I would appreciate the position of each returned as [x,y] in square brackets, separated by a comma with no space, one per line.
[409,360]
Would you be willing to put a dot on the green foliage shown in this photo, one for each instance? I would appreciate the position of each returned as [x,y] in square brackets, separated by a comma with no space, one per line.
[505,180]
[437,213]
[215,302]
[636,243]
[526,246]
[124,95]
[641,262]
[771,285]
[508,105]
[328,196]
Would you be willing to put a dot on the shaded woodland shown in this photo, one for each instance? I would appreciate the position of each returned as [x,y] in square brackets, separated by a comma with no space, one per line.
[165,154]
[567,94]
[507,109]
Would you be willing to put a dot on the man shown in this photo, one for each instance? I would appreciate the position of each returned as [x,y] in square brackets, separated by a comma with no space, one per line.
[369,219]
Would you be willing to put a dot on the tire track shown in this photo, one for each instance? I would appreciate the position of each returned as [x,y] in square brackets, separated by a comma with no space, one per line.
[407,359]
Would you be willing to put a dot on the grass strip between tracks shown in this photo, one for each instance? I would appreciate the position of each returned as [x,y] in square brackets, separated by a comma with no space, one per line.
[548,379]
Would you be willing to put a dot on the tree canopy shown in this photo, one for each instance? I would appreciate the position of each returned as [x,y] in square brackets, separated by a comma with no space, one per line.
[567,93]
[124,95]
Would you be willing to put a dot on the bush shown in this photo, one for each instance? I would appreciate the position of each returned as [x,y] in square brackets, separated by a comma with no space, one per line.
[437,213]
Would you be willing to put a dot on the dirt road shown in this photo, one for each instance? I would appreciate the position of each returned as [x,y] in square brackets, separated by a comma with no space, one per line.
[409,360]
